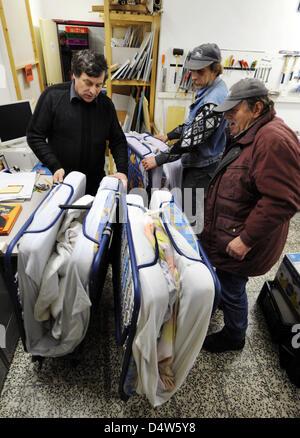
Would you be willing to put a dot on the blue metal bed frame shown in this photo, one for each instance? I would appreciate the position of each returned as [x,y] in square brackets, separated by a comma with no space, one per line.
[99,264]
[124,266]
[115,246]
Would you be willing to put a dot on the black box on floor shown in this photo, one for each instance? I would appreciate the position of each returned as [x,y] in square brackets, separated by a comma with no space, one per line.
[280,317]
[289,359]
[284,326]
[288,276]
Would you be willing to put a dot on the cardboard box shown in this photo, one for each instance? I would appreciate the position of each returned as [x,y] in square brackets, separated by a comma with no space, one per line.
[81,36]
[77,42]
[279,315]
[288,277]
[76,29]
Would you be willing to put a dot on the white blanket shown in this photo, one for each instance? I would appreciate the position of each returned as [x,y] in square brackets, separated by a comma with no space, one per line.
[196,301]
[55,290]
[147,146]
[173,170]
[56,304]
[35,249]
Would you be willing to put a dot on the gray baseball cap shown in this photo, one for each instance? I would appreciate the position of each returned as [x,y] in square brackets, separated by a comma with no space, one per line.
[202,56]
[244,88]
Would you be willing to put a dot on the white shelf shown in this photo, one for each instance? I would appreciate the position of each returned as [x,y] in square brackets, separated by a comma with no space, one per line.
[285,99]
[174,95]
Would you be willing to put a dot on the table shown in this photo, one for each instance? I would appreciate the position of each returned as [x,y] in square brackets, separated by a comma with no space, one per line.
[28,207]
[7,314]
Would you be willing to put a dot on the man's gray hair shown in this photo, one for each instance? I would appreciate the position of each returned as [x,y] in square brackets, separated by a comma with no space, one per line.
[265,100]
[89,62]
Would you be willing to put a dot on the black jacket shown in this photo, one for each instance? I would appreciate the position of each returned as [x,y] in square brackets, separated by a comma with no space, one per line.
[71,134]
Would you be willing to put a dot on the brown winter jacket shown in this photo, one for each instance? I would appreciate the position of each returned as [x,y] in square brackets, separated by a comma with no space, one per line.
[254,193]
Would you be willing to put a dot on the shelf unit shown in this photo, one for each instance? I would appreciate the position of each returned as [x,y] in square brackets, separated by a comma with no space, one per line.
[114,19]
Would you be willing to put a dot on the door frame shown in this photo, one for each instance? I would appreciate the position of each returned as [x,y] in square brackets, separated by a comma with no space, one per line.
[74,23]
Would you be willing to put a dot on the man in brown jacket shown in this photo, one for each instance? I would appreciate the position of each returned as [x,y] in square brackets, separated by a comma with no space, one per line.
[253,194]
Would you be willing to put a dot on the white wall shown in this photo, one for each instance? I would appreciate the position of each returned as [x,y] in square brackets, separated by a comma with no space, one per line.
[234,24]
[75,10]
[249,29]
[7,89]
[22,52]
[36,8]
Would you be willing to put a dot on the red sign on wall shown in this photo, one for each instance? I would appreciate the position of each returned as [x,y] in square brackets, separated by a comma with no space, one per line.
[28,73]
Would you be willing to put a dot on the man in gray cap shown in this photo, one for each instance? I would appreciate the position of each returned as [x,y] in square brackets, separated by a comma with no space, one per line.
[201,139]
[252,196]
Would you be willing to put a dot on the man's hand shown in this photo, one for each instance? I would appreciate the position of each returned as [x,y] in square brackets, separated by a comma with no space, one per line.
[237,249]
[58,176]
[122,177]
[149,163]
[163,138]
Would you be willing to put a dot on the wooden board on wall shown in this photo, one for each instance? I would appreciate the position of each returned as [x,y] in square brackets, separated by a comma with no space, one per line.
[146,114]
[7,89]
[19,31]
[51,54]
[121,116]
[175,117]
[30,90]
[20,45]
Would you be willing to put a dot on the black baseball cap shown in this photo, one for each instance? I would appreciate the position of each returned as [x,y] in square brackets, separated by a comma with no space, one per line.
[202,56]
[244,88]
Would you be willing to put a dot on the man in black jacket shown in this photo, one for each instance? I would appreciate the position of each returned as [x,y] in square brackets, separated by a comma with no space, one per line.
[73,121]
[66,56]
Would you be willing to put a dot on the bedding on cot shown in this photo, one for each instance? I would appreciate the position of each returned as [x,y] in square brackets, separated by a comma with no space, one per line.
[174,306]
[145,145]
[164,287]
[55,261]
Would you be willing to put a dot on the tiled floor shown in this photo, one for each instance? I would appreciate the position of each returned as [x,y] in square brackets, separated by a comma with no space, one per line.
[246,384]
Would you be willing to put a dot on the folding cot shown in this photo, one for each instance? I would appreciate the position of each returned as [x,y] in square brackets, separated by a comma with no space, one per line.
[61,265]
[145,145]
[142,296]
[63,255]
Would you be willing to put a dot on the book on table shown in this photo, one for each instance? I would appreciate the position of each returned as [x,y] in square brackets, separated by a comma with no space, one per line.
[8,217]
[11,188]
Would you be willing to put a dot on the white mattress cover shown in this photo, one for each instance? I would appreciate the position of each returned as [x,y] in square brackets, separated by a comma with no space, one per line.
[67,294]
[196,301]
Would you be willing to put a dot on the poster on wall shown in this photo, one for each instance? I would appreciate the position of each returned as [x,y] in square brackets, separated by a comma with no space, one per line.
[28,73]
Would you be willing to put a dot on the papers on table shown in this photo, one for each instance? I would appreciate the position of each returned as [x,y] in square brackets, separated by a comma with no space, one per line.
[25,180]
